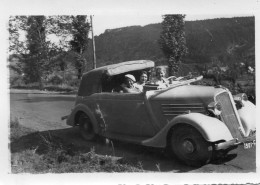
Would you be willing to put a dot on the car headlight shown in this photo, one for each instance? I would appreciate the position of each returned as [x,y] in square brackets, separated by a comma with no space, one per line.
[215,108]
[239,98]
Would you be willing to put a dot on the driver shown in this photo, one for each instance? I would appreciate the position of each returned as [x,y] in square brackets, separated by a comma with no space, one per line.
[128,85]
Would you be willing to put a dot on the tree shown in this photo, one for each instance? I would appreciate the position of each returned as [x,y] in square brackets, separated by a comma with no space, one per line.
[172,41]
[47,42]
[38,53]
[79,43]
[37,59]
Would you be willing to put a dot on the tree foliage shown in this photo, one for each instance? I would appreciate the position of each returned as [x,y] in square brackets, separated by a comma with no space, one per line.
[79,43]
[43,41]
[37,62]
[17,26]
[172,40]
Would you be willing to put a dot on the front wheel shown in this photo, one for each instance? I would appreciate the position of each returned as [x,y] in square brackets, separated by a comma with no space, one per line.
[86,128]
[190,146]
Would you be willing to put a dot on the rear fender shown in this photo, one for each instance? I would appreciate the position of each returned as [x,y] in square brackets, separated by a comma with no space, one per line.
[82,108]
[210,128]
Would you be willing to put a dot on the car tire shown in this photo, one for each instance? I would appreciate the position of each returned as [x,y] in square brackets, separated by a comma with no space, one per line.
[190,147]
[86,128]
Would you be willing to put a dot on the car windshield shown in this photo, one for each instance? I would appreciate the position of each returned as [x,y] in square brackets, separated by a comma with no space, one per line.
[183,79]
[172,81]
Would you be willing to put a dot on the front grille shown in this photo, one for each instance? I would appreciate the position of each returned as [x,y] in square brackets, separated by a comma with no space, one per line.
[228,114]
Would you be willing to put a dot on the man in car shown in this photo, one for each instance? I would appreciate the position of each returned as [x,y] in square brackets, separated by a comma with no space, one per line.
[128,85]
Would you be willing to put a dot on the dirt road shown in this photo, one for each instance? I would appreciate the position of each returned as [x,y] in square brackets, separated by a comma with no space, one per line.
[42,112]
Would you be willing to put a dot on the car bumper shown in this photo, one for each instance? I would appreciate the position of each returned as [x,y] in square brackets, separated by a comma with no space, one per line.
[234,142]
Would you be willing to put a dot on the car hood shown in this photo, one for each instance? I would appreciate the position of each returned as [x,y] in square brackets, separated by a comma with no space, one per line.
[187,94]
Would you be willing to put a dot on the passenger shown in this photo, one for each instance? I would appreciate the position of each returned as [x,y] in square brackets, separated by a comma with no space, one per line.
[160,80]
[143,79]
[128,86]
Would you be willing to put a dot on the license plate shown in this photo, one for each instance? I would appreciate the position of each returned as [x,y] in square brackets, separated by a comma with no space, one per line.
[248,145]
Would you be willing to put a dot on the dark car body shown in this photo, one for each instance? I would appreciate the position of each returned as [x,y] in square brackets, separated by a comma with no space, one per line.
[156,116]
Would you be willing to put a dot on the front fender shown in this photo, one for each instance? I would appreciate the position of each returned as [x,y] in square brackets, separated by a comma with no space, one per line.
[82,108]
[247,117]
[211,129]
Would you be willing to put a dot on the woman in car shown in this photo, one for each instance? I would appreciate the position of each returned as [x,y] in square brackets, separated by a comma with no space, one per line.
[143,79]
[128,86]
[160,80]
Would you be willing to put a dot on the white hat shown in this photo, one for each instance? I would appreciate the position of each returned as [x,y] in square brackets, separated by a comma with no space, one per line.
[131,77]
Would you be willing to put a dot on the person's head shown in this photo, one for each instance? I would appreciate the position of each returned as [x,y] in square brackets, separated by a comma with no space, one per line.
[160,73]
[143,77]
[129,80]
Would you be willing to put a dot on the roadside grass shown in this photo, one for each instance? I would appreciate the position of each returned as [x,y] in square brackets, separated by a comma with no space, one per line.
[53,155]
[17,130]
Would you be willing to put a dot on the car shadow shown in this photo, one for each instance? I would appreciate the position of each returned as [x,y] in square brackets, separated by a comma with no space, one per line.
[224,159]
[150,159]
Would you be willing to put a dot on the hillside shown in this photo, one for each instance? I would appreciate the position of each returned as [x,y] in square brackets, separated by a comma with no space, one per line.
[222,40]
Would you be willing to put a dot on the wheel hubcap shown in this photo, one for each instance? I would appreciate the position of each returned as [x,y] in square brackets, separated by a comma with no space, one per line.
[188,146]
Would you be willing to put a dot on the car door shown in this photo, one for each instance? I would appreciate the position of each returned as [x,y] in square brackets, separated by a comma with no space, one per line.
[124,113]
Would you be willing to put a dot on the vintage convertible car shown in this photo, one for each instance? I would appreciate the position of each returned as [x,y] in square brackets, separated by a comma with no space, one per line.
[194,121]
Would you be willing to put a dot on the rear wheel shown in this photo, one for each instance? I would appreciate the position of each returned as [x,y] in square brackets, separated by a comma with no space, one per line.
[86,128]
[190,146]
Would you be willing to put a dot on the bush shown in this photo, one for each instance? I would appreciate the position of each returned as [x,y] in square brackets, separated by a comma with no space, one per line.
[74,82]
[59,88]
[16,81]
[34,85]
[56,80]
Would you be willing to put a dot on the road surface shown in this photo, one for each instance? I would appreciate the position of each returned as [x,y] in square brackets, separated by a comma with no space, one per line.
[42,112]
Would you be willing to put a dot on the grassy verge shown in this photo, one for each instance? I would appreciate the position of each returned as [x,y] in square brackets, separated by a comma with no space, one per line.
[57,156]
[60,161]
[17,130]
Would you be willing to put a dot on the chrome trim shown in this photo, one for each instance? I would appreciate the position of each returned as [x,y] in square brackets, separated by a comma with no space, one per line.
[185,107]
[166,111]
[182,104]
[226,145]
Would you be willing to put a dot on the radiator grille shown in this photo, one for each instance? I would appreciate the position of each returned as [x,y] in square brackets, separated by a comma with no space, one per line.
[228,115]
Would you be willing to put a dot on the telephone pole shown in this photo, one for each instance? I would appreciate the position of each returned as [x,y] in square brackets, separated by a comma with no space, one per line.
[93,43]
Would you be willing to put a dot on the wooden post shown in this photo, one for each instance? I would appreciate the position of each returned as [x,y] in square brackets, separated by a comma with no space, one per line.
[93,43]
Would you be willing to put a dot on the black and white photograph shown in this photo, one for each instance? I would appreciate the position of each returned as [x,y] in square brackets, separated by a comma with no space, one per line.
[130,92]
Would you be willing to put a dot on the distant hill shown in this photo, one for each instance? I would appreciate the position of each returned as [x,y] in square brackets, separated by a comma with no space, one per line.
[222,40]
